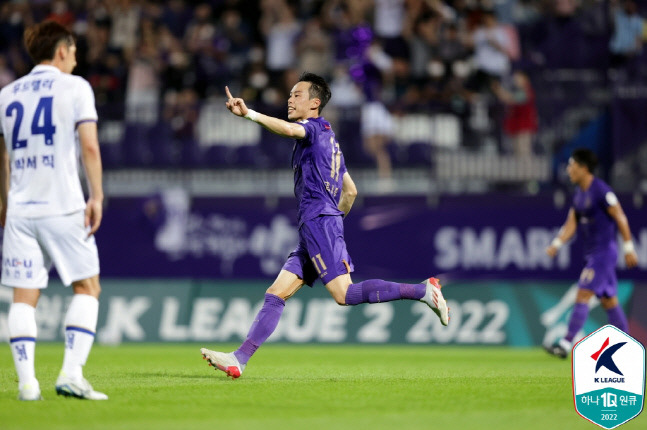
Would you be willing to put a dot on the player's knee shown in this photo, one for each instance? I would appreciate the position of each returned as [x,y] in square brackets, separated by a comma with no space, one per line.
[609,302]
[278,293]
[584,295]
[340,299]
[89,286]
[284,290]
[338,288]
[339,295]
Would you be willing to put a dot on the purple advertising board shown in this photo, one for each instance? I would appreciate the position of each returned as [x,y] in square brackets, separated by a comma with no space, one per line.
[461,237]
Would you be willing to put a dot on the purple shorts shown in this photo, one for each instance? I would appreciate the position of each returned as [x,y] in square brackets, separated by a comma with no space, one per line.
[321,252]
[599,275]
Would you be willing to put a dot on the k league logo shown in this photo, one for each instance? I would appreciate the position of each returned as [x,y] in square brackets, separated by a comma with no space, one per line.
[609,377]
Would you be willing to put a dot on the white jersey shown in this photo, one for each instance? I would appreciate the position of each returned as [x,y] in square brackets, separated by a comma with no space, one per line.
[39,114]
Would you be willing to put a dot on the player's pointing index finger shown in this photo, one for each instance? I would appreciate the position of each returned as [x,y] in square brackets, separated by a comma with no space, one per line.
[228,93]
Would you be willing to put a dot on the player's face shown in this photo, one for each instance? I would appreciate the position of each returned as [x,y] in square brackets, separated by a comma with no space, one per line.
[300,105]
[576,171]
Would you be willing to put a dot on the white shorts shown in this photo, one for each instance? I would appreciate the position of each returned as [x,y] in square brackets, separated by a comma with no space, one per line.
[31,245]
[376,120]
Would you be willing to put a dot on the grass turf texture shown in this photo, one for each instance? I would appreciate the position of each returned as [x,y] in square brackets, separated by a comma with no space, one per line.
[170,386]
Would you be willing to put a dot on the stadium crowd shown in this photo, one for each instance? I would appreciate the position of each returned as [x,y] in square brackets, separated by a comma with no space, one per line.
[155,66]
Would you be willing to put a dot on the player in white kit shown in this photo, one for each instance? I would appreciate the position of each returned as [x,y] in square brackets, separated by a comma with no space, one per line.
[48,123]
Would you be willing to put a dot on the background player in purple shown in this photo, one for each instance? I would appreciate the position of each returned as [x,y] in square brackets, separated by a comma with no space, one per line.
[598,216]
[325,194]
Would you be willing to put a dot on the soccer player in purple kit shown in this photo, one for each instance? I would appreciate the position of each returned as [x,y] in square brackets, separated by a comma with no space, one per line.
[325,193]
[598,215]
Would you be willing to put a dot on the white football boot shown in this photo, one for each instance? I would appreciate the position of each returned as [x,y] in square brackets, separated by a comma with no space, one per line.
[435,300]
[29,391]
[77,387]
[227,362]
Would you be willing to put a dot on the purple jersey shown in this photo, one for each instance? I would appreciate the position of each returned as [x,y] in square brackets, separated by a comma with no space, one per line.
[595,225]
[319,167]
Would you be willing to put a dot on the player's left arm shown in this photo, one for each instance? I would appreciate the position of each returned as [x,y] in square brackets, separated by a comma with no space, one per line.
[566,232]
[278,126]
[348,194]
[615,211]
[4,180]
[91,157]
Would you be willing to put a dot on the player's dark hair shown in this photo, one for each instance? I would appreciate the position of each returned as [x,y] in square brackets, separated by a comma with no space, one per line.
[585,157]
[318,88]
[42,39]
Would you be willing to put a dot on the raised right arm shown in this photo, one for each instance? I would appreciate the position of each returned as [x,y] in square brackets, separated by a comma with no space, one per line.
[275,125]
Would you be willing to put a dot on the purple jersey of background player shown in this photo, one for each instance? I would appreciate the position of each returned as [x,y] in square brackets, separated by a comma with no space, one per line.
[319,168]
[597,227]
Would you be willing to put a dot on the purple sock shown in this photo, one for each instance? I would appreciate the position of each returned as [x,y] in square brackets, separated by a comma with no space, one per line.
[618,318]
[264,325]
[578,318]
[378,291]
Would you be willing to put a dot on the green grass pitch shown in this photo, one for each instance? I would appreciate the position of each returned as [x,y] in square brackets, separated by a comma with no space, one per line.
[170,386]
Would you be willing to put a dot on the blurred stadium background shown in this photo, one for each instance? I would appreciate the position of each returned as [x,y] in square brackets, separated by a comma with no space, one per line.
[199,212]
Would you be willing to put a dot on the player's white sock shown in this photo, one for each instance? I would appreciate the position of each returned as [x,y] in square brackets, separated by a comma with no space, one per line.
[22,338]
[80,328]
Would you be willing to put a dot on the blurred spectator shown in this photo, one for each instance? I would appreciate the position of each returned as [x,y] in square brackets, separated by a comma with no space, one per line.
[351,31]
[565,8]
[424,45]
[107,75]
[314,49]
[397,56]
[180,114]
[345,91]
[626,41]
[200,30]
[368,65]
[61,13]
[104,68]
[451,48]
[525,12]
[280,27]
[236,37]
[436,49]
[377,124]
[492,47]
[7,75]
[208,51]
[143,87]
[177,72]
[125,17]
[558,39]
[520,121]
[14,18]
[176,16]
[388,26]
[257,76]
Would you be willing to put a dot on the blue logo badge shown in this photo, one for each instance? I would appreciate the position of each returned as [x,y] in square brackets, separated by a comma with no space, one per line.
[609,377]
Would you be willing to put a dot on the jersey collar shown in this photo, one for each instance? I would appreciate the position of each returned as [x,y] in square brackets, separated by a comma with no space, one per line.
[42,68]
